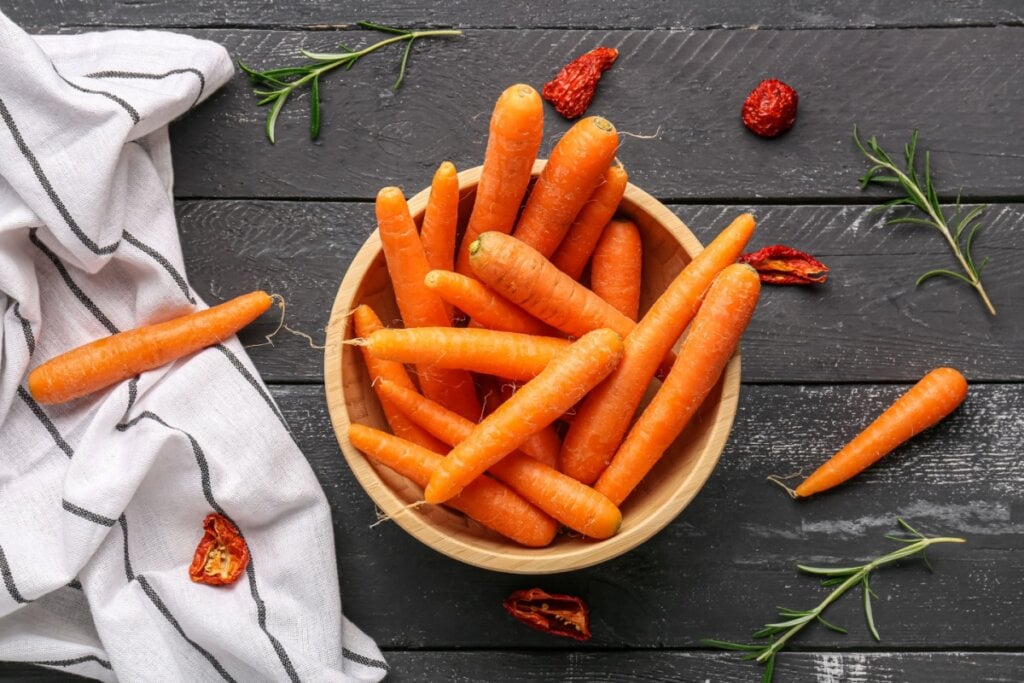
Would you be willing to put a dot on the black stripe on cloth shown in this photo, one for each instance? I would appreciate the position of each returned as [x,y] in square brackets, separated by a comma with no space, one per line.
[71,662]
[244,371]
[110,96]
[155,77]
[72,285]
[37,410]
[75,583]
[159,604]
[365,661]
[26,327]
[5,114]
[178,278]
[261,617]
[12,588]
[133,394]
[128,571]
[87,515]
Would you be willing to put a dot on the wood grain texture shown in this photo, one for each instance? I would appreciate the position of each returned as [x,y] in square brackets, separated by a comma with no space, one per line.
[868,323]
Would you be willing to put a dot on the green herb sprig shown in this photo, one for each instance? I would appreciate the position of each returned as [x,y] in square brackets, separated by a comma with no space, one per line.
[843,578]
[923,196]
[276,85]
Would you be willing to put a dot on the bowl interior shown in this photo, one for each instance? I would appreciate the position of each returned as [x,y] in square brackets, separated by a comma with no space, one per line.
[667,247]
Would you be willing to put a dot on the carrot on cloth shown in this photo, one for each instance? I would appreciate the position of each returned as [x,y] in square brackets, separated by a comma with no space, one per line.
[615,270]
[441,218]
[604,416]
[574,252]
[364,323]
[544,445]
[575,167]
[935,396]
[480,303]
[419,307]
[505,354]
[710,343]
[575,505]
[489,502]
[123,355]
[516,130]
[537,404]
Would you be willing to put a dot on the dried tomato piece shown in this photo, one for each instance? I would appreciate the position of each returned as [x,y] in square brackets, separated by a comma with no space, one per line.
[573,88]
[782,265]
[222,554]
[560,615]
[770,108]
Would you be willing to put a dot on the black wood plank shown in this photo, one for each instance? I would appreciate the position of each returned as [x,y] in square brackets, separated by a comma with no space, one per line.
[721,567]
[868,323]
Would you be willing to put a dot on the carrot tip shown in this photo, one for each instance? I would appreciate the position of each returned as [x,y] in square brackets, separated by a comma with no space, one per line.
[474,247]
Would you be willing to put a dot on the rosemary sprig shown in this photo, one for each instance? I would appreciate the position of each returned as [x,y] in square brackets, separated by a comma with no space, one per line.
[275,86]
[923,196]
[843,579]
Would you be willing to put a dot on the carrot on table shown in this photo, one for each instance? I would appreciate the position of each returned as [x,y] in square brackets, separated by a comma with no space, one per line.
[544,445]
[481,303]
[505,354]
[516,130]
[441,220]
[604,416]
[489,502]
[574,252]
[710,343]
[113,359]
[537,404]
[575,167]
[615,270]
[935,396]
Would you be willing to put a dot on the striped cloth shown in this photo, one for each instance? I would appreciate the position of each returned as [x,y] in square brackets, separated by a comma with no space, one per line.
[102,500]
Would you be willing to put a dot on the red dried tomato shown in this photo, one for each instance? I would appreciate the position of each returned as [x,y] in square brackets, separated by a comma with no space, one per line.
[222,553]
[560,615]
[573,88]
[782,265]
[770,108]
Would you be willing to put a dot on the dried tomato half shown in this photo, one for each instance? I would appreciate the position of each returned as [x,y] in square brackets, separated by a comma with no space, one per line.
[770,108]
[782,265]
[222,554]
[560,615]
[573,88]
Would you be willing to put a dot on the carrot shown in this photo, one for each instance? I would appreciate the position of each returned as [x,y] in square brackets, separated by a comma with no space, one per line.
[113,359]
[615,268]
[537,404]
[934,397]
[481,303]
[407,266]
[544,445]
[604,416]
[505,354]
[491,503]
[711,342]
[441,218]
[575,505]
[517,126]
[364,323]
[578,244]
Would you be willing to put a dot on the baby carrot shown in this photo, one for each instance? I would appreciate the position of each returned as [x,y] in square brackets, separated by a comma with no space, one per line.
[578,244]
[505,354]
[538,403]
[573,171]
[615,269]
[575,505]
[604,416]
[441,218]
[113,359]
[517,126]
[711,342]
[544,445]
[489,502]
[481,303]
[934,397]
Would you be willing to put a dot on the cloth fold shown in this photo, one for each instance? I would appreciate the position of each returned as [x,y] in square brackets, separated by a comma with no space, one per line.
[102,499]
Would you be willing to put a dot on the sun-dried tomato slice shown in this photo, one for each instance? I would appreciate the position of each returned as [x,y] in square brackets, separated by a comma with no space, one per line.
[560,615]
[222,554]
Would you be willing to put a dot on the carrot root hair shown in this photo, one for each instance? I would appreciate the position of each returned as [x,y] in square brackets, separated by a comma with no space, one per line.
[382,517]
[779,480]
[281,325]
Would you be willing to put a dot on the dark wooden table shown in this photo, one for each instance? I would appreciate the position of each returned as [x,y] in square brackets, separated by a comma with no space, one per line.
[817,363]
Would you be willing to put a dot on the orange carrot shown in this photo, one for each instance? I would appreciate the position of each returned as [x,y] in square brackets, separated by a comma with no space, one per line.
[934,397]
[113,359]
[544,445]
[575,505]
[578,244]
[517,126]
[615,269]
[505,354]
[604,416]
[407,266]
[482,305]
[491,503]
[574,169]
[711,342]
[365,322]
[441,218]
[538,403]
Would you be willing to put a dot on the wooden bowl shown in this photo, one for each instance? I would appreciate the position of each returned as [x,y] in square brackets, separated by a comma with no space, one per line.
[668,246]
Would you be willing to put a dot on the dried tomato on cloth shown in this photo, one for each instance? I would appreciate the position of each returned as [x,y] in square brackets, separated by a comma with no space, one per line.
[560,615]
[782,265]
[222,554]
[573,88]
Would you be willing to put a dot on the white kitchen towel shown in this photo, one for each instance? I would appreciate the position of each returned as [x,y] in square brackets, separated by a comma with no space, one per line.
[102,499]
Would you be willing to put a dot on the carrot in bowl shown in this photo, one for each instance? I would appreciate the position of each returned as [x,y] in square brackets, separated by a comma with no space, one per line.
[441,218]
[615,271]
[574,252]
[544,445]
[482,304]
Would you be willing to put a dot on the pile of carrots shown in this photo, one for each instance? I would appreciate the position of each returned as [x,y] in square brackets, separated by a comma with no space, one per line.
[480,428]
